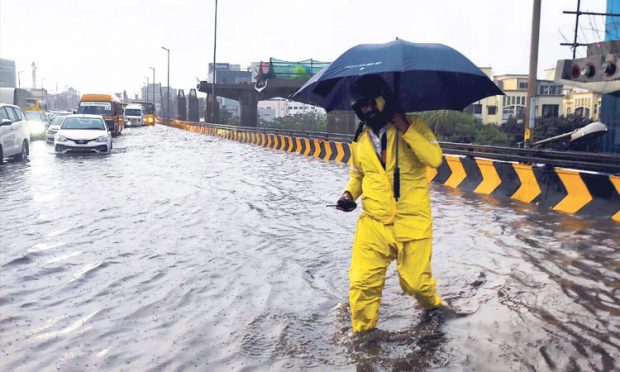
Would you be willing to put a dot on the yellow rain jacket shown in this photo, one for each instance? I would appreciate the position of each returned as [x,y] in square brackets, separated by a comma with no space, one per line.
[411,214]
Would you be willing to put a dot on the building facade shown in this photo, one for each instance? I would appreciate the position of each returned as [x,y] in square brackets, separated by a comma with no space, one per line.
[7,74]
[227,73]
[581,102]
[552,100]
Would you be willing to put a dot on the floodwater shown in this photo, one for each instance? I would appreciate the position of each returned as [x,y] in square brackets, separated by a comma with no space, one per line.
[181,251]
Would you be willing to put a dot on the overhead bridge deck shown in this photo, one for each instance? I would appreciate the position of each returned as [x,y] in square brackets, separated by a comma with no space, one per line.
[566,182]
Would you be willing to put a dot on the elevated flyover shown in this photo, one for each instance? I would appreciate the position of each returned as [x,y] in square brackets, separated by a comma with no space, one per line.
[276,78]
[248,96]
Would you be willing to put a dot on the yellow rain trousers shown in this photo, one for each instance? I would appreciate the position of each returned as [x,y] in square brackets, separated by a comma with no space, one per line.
[390,229]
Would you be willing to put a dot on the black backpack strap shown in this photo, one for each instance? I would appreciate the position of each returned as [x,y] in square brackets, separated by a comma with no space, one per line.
[360,129]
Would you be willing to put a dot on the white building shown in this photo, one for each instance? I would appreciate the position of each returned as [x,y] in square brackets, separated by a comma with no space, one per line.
[273,108]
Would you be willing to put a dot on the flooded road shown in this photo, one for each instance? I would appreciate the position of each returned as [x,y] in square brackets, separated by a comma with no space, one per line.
[181,251]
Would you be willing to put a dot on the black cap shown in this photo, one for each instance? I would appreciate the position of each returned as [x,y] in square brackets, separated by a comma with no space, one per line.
[368,86]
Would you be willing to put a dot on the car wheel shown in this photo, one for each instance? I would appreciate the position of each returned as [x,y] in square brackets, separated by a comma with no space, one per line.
[24,154]
[1,156]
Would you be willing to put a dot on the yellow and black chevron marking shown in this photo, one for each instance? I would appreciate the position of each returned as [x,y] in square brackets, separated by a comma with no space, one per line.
[562,190]
[317,148]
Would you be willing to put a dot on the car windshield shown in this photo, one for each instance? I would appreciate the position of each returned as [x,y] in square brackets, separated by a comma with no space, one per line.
[83,123]
[148,109]
[32,115]
[57,120]
[133,112]
[96,109]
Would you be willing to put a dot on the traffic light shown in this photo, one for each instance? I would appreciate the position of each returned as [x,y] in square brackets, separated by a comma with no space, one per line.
[599,71]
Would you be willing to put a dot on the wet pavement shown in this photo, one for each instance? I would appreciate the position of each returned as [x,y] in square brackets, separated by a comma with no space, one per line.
[181,251]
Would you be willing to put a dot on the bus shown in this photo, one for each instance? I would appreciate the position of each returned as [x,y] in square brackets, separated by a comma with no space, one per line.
[148,108]
[106,105]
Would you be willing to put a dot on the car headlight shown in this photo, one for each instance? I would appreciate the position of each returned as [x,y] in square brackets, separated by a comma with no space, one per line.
[102,139]
[37,128]
[61,138]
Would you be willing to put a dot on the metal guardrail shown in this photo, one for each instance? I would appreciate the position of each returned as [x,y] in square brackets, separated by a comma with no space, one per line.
[585,161]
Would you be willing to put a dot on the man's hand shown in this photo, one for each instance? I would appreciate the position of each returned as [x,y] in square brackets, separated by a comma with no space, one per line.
[346,202]
[400,121]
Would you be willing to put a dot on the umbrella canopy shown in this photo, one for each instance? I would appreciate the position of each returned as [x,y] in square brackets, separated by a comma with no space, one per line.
[422,76]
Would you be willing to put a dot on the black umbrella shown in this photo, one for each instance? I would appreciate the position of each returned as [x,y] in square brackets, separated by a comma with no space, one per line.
[422,76]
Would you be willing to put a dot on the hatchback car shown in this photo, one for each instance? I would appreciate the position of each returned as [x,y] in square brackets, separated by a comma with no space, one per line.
[54,127]
[83,133]
[14,133]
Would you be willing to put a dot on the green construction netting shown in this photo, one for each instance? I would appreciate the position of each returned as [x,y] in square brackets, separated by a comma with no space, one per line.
[277,68]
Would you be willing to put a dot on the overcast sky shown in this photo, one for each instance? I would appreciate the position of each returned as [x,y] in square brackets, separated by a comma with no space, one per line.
[109,45]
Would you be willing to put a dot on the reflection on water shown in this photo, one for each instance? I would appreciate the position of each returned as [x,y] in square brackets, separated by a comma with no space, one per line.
[199,253]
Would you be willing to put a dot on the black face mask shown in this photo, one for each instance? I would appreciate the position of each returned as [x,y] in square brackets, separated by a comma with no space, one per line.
[375,119]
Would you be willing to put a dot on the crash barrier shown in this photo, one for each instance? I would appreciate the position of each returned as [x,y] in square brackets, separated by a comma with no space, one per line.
[573,183]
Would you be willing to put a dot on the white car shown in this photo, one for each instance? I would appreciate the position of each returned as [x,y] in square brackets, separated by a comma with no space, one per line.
[54,127]
[83,133]
[14,133]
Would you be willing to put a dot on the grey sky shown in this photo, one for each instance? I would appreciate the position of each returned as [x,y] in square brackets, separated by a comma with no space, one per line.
[109,45]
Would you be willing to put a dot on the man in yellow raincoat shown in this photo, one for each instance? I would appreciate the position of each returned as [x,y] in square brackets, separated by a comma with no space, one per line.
[391,226]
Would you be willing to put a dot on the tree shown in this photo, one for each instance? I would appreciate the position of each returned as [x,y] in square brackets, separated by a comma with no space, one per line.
[235,120]
[490,134]
[452,126]
[513,129]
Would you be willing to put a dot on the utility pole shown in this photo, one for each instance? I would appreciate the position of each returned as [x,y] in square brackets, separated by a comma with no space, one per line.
[530,102]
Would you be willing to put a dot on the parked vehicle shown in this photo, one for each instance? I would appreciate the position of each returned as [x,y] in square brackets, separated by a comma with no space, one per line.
[134,116]
[106,105]
[37,123]
[50,134]
[14,133]
[83,133]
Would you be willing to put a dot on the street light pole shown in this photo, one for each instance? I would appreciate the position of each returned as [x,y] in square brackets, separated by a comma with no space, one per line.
[168,86]
[147,98]
[19,79]
[213,99]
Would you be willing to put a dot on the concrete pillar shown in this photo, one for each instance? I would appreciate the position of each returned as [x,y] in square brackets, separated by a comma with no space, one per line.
[248,101]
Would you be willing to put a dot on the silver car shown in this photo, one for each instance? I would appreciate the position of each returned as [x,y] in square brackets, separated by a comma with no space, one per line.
[54,127]
[14,133]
